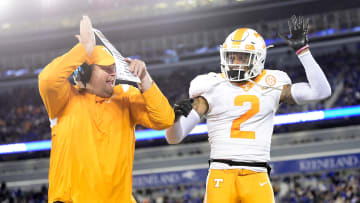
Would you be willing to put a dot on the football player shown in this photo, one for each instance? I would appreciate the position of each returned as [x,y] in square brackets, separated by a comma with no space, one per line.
[239,105]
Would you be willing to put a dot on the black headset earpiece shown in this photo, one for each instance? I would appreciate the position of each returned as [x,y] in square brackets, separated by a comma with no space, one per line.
[84,73]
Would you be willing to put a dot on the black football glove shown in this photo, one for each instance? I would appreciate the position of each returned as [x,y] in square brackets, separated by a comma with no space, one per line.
[183,108]
[298,32]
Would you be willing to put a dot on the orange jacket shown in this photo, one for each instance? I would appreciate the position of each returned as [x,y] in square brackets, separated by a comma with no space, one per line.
[93,138]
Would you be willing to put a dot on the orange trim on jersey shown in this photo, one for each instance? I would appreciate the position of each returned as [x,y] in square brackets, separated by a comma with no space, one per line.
[238,36]
[248,85]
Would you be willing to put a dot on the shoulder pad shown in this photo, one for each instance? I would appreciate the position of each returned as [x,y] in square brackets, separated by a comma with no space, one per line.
[203,83]
[277,76]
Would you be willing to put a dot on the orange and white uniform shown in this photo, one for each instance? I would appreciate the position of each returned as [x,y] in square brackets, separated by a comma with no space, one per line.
[240,123]
[93,138]
[242,102]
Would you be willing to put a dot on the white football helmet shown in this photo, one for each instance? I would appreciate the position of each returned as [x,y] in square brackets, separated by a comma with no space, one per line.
[248,42]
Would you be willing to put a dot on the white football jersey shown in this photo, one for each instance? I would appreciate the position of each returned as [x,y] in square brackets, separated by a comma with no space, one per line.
[240,118]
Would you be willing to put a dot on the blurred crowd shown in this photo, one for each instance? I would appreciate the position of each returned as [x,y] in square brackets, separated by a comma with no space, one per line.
[23,116]
[326,187]
[19,196]
[333,186]
[166,49]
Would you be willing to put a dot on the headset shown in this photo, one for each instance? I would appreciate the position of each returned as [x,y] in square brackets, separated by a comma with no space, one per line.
[83,73]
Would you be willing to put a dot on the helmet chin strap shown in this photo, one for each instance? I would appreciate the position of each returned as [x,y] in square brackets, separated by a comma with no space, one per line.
[262,86]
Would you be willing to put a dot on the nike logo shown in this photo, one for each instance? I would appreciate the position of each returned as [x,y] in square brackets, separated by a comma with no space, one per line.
[262,184]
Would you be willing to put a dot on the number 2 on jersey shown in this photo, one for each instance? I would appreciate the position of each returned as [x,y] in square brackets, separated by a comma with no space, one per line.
[236,132]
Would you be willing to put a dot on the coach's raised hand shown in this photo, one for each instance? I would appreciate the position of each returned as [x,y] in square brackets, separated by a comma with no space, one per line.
[87,36]
[138,68]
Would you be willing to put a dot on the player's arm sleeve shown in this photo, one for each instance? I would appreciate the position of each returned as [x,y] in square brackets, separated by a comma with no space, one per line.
[151,108]
[317,88]
[184,125]
[54,87]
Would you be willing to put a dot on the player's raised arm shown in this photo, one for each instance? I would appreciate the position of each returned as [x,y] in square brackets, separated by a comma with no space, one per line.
[188,113]
[318,87]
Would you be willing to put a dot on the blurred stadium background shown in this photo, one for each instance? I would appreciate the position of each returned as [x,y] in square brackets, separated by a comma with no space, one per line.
[315,148]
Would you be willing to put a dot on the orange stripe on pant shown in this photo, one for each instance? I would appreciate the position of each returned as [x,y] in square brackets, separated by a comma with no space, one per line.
[238,185]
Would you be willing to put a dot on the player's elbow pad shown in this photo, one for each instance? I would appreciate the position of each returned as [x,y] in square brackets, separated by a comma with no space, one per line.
[176,133]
